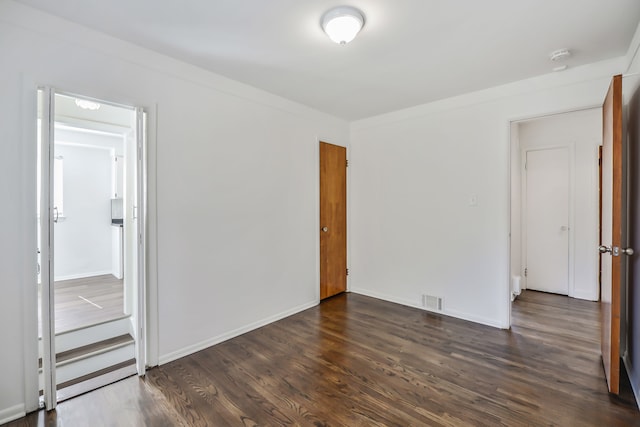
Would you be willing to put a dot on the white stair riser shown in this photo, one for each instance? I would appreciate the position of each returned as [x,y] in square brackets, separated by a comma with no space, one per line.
[79,368]
[92,334]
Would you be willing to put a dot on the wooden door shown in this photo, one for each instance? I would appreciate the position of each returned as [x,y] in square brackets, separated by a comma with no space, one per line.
[612,232]
[547,220]
[333,220]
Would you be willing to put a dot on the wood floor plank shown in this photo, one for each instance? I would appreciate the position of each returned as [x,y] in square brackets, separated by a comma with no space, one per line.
[73,312]
[358,361]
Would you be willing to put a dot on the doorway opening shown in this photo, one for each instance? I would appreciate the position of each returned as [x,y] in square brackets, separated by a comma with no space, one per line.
[91,252]
[555,204]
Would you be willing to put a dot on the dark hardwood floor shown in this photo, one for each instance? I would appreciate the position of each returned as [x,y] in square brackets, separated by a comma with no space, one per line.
[87,301]
[358,361]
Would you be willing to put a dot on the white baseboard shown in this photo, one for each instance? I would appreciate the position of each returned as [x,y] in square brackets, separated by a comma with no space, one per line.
[174,355]
[12,413]
[632,374]
[585,295]
[82,275]
[447,312]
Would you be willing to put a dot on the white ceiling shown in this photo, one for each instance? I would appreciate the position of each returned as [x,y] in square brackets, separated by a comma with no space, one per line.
[409,52]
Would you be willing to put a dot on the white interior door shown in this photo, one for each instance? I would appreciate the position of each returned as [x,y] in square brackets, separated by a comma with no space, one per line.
[547,220]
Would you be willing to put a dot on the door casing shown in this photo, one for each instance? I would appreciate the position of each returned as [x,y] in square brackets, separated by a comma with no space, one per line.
[515,155]
[47,255]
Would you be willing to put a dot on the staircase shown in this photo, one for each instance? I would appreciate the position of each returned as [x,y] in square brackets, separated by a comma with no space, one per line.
[92,357]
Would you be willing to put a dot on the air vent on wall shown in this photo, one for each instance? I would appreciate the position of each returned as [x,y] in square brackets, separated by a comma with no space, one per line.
[431,302]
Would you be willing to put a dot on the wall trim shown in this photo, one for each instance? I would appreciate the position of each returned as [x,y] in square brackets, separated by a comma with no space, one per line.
[588,296]
[30,274]
[185,351]
[83,275]
[12,413]
[634,48]
[447,312]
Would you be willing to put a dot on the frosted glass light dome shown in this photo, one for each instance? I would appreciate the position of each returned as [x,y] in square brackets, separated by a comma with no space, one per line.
[342,24]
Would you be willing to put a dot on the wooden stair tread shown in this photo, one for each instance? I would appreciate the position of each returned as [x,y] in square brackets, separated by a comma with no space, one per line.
[93,348]
[96,380]
[97,347]
[101,372]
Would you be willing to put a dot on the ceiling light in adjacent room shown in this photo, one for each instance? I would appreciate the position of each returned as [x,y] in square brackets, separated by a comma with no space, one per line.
[85,104]
[342,24]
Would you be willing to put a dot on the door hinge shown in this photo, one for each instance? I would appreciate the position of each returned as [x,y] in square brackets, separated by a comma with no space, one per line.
[347,163]
[526,270]
[347,271]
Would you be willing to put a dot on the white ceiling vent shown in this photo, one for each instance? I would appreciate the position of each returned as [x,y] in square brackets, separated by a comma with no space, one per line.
[559,55]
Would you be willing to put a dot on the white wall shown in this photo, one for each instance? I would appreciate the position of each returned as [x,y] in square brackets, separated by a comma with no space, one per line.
[581,133]
[83,234]
[414,171]
[232,184]
[77,136]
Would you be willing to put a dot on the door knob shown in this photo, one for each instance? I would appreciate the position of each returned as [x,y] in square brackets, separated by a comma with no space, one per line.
[617,251]
[564,228]
[325,229]
[604,249]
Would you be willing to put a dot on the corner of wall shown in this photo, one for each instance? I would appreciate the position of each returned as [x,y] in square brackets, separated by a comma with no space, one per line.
[182,352]
[632,56]
[635,387]
[12,413]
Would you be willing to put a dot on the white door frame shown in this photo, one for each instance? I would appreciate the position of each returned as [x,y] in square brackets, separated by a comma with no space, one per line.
[141,192]
[47,250]
[47,247]
[512,146]
[523,209]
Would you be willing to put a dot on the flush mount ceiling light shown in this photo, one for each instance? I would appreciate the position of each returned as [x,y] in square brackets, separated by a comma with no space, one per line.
[85,104]
[342,24]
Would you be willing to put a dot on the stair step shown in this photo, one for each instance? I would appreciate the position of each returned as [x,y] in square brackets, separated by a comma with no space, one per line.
[96,380]
[93,334]
[92,349]
[85,351]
